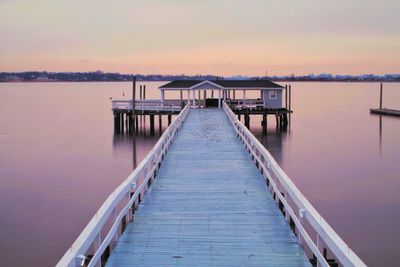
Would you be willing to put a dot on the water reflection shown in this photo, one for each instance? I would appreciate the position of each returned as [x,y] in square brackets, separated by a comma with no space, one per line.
[134,146]
[272,141]
[380,135]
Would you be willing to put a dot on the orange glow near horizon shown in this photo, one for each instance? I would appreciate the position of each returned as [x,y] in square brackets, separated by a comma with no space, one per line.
[207,37]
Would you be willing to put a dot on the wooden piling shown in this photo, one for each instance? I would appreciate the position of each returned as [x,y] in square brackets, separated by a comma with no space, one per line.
[144,91]
[381,97]
[116,122]
[264,123]
[151,124]
[134,99]
[126,123]
[247,119]
[130,123]
[140,92]
[122,122]
[285,121]
[290,97]
[160,123]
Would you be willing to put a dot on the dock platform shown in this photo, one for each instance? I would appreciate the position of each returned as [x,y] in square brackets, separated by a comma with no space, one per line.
[209,206]
[385,111]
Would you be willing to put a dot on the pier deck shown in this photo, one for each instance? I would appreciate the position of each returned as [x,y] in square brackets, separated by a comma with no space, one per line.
[209,206]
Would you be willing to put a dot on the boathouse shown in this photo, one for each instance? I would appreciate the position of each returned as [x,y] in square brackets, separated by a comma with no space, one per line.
[211,93]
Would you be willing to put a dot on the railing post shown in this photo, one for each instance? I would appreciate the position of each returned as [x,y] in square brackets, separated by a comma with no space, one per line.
[302,215]
[97,245]
[320,248]
[114,215]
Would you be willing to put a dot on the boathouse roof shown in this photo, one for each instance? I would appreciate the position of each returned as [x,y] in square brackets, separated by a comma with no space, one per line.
[253,84]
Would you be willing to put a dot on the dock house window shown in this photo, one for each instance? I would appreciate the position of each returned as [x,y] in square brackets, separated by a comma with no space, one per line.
[272,94]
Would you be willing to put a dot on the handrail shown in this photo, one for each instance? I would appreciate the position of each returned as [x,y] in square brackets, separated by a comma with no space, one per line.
[129,190]
[325,234]
[146,105]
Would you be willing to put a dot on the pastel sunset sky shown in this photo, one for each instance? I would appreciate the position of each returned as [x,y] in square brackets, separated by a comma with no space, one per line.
[219,37]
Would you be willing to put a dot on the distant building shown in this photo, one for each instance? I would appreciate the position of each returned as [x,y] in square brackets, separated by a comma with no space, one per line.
[42,78]
[12,78]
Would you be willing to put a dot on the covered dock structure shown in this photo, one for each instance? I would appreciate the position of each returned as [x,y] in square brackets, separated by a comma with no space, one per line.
[273,99]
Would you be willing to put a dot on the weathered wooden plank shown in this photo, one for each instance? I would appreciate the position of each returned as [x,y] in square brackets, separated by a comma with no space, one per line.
[209,206]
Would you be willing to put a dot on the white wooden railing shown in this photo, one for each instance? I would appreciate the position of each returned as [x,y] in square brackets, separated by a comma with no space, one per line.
[297,209]
[110,220]
[147,105]
[245,102]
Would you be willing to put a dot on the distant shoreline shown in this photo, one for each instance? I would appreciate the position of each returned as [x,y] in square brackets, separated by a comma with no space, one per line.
[99,76]
[297,81]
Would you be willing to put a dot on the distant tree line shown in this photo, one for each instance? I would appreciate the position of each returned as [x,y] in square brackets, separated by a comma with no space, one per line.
[107,76]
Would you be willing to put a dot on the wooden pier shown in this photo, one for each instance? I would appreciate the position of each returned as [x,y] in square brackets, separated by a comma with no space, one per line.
[208,194]
[208,208]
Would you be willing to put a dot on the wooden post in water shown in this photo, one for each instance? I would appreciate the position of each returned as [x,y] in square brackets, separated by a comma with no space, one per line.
[290,97]
[130,123]
[140,117]
[136,121]
[381,96]
[126,123]
[247,119]
[144,91]
[160,123]
[122,122]
[116,122]
[151,124]
[264,123]
[285,121]
[133,101]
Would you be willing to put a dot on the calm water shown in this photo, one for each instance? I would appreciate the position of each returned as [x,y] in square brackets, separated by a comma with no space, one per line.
[59,160]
